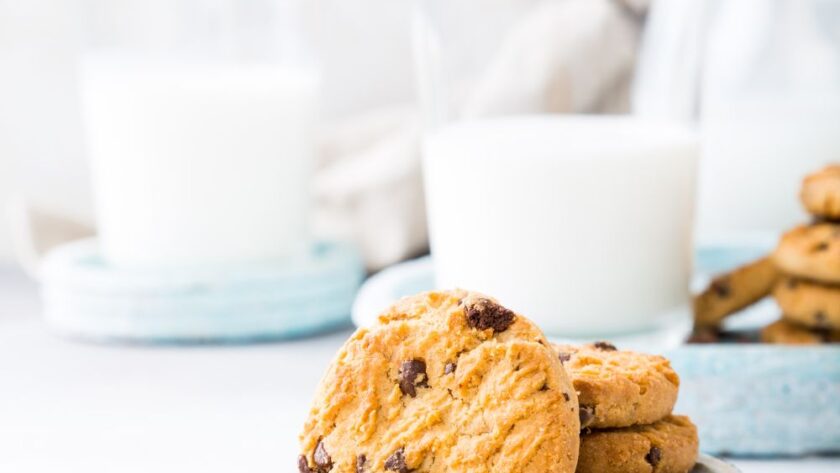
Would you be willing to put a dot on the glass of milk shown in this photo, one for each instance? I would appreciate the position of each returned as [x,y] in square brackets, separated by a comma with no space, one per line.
[581,222]
[200,121]
[763,79]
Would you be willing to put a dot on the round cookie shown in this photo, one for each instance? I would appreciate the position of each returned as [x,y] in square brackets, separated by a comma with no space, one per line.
[820,194]
[811,252]
[784,332]
[731,292]
[668,446]
[808,303]
[444,382]
[619,388]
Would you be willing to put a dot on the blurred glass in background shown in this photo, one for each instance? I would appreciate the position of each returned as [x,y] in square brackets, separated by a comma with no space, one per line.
[763,79]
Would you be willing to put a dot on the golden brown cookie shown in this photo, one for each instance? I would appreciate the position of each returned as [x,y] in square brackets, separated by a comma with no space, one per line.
[809,303]
[619,388]
[444,382]
[668,446]
[734,291]
[811,252]
[820,193]
[784,332]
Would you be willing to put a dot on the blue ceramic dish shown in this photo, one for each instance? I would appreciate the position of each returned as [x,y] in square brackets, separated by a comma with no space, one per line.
[86,298]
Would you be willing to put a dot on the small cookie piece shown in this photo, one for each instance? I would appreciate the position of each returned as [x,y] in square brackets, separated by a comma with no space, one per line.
[668,446]
[619,388]
[820,194]
[444,382]
[811,252]
[734,291]
[783,332]
[809,303]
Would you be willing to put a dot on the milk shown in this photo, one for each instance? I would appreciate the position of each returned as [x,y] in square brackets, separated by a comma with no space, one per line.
[199,164]
[582,224]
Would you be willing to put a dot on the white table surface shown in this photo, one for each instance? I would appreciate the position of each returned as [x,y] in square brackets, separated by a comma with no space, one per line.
[72,407]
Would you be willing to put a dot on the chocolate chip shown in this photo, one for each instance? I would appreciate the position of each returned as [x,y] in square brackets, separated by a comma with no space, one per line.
[449,368]
[413,375]
[564,357]
[303,465]
[361,460]
[605,346]
[822,320]
[484,313]
[321,457]
[566,397]
[396,462]
[821,246]
[544,387]
[721,288]
[654,456]
[587,415]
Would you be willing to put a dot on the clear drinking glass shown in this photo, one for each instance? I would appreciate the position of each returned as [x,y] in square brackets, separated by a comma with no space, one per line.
[581,222]
[200,121]
[762,77]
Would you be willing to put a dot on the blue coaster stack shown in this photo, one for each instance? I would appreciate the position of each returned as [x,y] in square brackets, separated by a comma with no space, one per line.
[86,298]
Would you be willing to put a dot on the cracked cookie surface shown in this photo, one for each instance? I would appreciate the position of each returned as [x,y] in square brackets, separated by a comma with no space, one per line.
[619,388]
[811,252]
[444,382]
[668,446]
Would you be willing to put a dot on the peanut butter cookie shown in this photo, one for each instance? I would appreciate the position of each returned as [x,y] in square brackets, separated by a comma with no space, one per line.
[619,388]
[444,382]
[668,446]
[734,291]
[811,252]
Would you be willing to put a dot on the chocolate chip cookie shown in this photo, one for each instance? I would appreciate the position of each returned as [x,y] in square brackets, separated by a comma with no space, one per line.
[444,382]
[784,332]
[734,291]
[668,446]
[619,388]
[811,252]
[820,193]
[809,303]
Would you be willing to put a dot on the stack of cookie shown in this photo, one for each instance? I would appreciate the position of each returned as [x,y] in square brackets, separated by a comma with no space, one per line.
[453,382]
[803,275]
[626,402]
